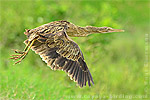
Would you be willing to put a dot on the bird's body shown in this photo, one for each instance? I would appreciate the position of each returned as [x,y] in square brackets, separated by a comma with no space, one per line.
[51,41]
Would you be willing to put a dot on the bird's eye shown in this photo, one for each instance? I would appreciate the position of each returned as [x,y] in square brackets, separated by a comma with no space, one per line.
[106,28]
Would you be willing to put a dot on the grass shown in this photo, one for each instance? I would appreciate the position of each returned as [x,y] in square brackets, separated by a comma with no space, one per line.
[116,60]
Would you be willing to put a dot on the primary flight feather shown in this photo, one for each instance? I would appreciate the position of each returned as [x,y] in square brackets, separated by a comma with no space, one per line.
[51,41]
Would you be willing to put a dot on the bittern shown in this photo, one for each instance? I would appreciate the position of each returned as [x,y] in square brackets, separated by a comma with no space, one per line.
[51,41]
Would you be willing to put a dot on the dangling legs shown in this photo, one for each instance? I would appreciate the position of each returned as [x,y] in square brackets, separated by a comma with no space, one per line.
[21,52]
[21,55]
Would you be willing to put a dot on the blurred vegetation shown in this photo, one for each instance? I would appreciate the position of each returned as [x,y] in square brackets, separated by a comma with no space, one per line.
[115,60]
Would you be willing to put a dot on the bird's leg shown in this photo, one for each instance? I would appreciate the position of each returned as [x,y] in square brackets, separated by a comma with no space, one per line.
[23,54]
[19,53]
[27,46]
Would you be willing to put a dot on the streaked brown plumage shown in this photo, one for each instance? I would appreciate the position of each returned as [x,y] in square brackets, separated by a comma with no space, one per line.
[52,43]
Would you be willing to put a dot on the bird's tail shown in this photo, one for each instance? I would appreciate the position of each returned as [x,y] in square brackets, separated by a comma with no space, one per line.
[27,32]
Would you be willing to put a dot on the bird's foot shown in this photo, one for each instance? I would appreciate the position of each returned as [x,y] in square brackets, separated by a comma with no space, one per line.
[18,51]
[20,55]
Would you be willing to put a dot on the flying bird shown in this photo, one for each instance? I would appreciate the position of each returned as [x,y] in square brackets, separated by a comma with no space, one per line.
[51,41]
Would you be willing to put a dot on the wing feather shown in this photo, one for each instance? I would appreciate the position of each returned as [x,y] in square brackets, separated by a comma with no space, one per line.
[63,53]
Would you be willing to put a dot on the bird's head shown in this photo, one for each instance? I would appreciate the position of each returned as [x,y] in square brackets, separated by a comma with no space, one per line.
[109,30]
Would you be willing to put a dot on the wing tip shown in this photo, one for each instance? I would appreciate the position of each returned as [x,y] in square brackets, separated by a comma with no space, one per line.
[81,82]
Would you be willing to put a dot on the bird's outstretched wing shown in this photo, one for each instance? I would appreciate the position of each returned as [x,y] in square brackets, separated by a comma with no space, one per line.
[63,53]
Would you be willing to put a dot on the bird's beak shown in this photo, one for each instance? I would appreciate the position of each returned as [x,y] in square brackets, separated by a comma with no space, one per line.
[116,30]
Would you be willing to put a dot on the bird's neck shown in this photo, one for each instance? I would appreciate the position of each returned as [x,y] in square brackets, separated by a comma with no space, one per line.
[77,31]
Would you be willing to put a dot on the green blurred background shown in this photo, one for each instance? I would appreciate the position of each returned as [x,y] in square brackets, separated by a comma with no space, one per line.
[115,60]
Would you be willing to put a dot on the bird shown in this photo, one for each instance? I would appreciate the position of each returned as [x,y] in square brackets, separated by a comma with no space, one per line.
[52,42]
